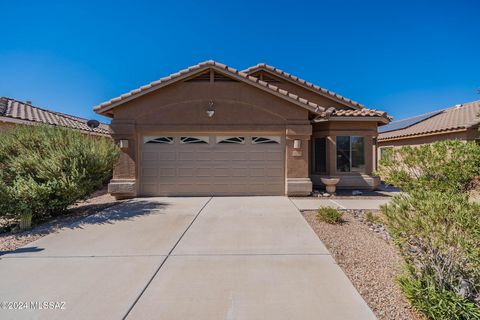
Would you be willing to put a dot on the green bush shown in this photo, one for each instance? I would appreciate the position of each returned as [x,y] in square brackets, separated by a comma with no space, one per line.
[448,166]
[329,215]
[434,302]
[45,169]
[438,235]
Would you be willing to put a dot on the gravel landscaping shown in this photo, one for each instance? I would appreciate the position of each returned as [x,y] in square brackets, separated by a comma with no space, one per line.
[98,201]
[368,259]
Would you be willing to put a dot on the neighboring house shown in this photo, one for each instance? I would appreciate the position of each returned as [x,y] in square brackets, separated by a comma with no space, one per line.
[13,113]
[458,122]
[213,130]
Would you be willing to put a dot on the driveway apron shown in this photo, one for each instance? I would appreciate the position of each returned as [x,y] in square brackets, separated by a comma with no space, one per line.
[250,258]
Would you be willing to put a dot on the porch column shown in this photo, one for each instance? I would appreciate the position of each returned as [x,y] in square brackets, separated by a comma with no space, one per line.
[298,181]
[123,184]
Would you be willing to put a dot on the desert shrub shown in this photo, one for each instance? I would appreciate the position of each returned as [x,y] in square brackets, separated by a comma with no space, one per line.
[370,217]
[45,169]
[437,303]
[438,235]
[329,215]
[447,166]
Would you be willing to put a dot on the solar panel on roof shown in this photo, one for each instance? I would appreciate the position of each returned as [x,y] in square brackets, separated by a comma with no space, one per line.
[405,123]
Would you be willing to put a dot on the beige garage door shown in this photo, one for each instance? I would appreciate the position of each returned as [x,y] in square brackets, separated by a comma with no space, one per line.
[212,165]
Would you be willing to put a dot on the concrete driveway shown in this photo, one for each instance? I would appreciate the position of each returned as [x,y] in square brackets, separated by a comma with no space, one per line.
[181,258]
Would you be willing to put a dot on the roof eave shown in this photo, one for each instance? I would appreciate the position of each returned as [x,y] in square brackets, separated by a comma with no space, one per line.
[419,135]
[378,119]
[312,107]
[16,121]
[303,84]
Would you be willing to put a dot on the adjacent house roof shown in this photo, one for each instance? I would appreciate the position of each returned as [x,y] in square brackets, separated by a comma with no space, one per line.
[304,83]
[316,109]
[15,111]
[459,117]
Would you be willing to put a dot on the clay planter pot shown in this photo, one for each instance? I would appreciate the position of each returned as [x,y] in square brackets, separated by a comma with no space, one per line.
[330,184]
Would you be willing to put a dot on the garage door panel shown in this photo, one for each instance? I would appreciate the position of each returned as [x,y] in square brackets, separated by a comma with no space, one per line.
[274,173]
[221,172]
[186,155]
[149,188]
[166,156]
[257,172]
[212,169]
[204,156]
[239,172]
[204,172]
[149,155]
[149,172]
[274,155]
[186,172]
[257,156]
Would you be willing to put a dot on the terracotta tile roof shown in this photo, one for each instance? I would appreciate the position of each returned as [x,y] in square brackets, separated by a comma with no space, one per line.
[311,106]
[364,112]
[200,67]
[314,87]
[459,117]
[10,108]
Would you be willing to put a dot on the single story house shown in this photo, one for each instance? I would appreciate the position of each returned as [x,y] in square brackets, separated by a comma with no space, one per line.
[13,113]
[213,130]
[457,122]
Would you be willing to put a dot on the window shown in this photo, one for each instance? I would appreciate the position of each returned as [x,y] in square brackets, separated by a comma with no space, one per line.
[194,140]
[266,140]
[320,155]
[230,140]
[164,140]
[350,153]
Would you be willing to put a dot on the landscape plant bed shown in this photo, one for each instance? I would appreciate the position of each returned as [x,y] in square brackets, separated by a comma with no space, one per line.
[15,239]
[369,260]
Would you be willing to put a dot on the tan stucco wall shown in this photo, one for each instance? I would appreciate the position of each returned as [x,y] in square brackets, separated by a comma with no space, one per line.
[238,108]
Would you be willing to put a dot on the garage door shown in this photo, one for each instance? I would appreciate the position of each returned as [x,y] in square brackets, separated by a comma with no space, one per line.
[212,165]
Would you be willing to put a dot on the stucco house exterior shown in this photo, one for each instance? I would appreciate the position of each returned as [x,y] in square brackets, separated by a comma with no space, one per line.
[458,122]
[14,113]
[213,130]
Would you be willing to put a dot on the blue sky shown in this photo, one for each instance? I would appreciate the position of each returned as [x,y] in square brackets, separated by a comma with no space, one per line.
[404,57]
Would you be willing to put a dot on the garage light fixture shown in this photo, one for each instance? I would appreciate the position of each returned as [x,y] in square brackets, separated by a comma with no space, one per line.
[210,109]
[123,144]
[297,144]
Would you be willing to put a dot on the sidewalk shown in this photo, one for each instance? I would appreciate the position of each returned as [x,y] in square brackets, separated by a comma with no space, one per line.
[313,204]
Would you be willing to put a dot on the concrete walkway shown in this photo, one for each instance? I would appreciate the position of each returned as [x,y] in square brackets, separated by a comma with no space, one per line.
[182,258]
[362,203]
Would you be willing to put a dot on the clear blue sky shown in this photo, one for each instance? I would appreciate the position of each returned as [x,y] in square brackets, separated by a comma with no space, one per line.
[404,57]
